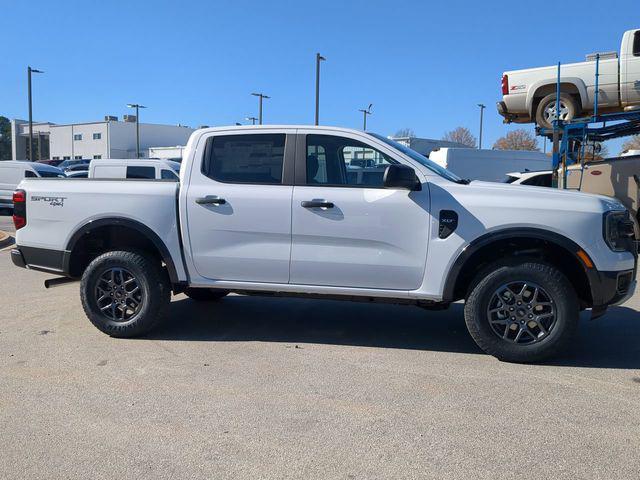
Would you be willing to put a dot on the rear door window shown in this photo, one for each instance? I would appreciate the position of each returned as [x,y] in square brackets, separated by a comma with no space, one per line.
[636,44]
[254,159]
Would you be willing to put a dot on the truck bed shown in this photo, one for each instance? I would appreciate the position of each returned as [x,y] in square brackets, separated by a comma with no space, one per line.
[58,208]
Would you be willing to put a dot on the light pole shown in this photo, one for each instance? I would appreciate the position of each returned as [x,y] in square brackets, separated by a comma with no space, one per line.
[251,119]
[137,106]
[29,72]
[260,96]
[482,107]
[365,112]
[319,58]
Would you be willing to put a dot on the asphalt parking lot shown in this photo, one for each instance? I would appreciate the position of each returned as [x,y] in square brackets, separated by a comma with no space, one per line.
[6,222]
[255,387]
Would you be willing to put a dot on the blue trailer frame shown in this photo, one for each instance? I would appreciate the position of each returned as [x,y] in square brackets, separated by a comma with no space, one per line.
[574,135]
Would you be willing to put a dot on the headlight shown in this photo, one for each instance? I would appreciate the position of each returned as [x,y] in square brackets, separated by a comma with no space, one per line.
[618,230]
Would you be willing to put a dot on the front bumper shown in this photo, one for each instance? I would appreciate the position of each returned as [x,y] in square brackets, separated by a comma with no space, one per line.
[609,289]
[628,295]
[613,288]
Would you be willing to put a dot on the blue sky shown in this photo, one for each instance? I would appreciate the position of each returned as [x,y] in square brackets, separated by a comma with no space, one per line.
[423,65]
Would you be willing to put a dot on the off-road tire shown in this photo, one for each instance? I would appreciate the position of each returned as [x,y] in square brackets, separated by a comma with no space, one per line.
[154,285]
[554,283]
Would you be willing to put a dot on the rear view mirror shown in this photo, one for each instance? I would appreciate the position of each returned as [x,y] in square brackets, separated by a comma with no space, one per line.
[401,176]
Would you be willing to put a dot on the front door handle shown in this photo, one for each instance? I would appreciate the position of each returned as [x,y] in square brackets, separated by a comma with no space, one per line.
[210,200]
[316,204]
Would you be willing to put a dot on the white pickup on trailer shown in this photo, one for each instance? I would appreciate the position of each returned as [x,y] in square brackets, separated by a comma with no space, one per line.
[530,95]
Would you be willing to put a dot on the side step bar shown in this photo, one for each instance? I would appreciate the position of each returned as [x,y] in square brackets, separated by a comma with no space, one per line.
[56,282]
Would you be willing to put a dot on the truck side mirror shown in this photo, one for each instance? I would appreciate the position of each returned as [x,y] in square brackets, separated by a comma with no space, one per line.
[401,176]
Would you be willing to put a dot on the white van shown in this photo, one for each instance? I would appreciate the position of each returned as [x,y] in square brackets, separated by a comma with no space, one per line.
[12,172]
[488,165]
[126,168]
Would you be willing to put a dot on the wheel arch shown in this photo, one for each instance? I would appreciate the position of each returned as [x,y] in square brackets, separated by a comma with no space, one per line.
[96,236]
[571,86]
[550,247]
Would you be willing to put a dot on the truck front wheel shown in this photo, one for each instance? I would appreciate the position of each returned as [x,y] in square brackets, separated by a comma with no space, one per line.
[546,112]
[125,294]
[522,313]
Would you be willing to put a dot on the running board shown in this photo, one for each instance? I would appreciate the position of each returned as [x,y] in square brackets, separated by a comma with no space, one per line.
[56,282]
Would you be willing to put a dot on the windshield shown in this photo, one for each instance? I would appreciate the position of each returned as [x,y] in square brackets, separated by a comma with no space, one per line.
[50,172]
[431,165]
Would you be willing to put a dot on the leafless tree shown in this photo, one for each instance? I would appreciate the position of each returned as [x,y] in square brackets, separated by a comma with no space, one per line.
[519,139]
[461,135]
[404,133]
[595,151]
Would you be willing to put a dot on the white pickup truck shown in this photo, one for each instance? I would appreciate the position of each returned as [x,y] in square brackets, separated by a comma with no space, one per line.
[530,95]
[331,213]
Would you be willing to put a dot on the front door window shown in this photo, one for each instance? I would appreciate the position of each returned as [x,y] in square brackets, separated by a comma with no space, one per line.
[340,161]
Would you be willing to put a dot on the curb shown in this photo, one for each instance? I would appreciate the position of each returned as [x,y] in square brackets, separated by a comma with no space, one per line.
[5,239]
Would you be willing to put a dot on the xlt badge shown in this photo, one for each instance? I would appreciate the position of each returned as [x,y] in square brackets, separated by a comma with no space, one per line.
[448,223]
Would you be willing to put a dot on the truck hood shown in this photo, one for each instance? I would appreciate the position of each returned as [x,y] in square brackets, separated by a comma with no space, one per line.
[542,197]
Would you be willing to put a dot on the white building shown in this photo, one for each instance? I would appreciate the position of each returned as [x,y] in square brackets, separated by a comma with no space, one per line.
[167,153]
[425,146]
[109,138]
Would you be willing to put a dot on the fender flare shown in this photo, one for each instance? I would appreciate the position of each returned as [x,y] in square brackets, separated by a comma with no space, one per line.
[91,225]
[518,232]
[575,81]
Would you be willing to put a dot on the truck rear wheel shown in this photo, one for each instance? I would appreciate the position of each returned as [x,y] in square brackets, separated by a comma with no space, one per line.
[546,111]
[205,294]
[125,294]
[522,313]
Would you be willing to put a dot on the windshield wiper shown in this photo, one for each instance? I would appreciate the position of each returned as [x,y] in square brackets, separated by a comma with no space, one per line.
[463,181]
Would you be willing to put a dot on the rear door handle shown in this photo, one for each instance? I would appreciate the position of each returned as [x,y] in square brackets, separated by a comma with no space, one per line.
[210,200]
[316,204]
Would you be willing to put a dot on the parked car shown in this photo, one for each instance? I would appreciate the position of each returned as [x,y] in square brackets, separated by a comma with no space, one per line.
[537,179]
[77,174]
[488,165]
[12,172]
[79,167]
[630,153]
[273,210]
[66,164]
[126,168]
[530,95]
[53,163]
